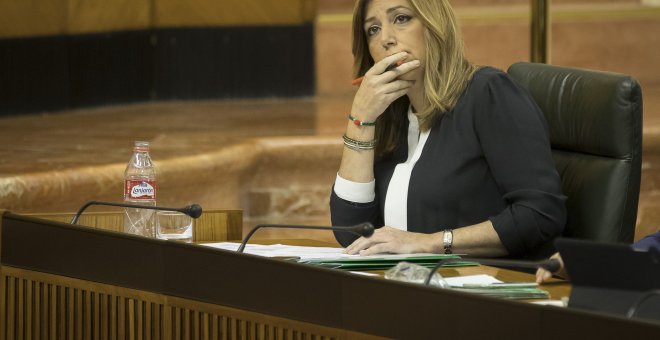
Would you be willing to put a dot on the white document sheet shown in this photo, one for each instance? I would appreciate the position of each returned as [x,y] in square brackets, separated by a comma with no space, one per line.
[281,250]
[306,253]
[481,280]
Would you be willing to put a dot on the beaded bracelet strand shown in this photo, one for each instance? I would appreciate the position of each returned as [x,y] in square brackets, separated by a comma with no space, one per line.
[359,145]
[359,122]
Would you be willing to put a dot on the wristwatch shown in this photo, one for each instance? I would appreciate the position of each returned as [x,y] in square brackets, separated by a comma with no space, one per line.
[447,240]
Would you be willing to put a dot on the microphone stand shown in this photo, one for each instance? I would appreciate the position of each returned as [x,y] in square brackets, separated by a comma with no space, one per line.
[194,210]
[550,265]
[364,229]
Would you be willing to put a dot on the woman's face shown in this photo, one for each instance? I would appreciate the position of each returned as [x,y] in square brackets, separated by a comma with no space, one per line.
[391,27]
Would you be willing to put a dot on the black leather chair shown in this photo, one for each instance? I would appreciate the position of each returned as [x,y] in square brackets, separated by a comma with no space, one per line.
[595,122]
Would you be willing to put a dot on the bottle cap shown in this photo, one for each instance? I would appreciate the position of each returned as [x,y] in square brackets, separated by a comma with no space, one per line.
[141,146]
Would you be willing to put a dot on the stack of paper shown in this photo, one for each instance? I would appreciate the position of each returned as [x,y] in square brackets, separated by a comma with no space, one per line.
[336,258]
[508,291]
[490,286]
[383,262]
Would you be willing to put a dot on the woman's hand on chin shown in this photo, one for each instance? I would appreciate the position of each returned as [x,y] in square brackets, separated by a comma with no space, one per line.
[380,87]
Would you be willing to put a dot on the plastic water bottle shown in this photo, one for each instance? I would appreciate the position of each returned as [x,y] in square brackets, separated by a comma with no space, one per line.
[140,188]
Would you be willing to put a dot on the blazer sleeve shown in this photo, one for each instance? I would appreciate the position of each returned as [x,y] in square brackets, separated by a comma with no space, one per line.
[346,213]
[513,134]
[648,242]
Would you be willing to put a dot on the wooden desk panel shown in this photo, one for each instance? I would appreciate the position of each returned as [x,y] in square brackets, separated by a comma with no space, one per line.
[212,226]
[69,280]
[58,307]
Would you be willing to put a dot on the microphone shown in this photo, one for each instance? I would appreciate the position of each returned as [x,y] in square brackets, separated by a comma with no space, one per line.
[365,229]
[194,210]
[550,265]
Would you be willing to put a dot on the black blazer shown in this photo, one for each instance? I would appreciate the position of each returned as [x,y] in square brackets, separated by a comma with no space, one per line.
[487,159]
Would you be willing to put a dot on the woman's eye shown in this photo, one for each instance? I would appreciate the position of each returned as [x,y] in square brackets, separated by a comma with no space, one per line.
[372,30]
[399,19]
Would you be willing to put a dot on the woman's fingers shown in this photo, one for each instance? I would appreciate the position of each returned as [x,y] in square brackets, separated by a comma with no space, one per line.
[351,249]
[404,68]
[379,236]
[361,244]
[386,62]
[389,75]
[386,240]
[396,86]
[380,86]
[357,245]
[542,275]
[379,248]
[388,69]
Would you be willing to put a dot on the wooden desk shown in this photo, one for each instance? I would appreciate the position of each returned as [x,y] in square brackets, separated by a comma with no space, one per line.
[557,288]
[70,282]
[212,226]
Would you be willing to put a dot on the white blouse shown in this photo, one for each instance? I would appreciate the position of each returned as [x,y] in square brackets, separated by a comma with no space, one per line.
[396,199]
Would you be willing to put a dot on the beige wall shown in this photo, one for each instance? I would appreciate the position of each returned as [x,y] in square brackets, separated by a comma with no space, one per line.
[27,18]
[169,13]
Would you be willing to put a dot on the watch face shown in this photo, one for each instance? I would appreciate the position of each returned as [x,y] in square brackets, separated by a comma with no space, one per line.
[447,240]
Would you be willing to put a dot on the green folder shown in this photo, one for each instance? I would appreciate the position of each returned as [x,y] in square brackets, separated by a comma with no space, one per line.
[388,261]
[507,291]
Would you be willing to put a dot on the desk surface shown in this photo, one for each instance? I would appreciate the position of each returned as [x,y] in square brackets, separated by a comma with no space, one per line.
[557,288]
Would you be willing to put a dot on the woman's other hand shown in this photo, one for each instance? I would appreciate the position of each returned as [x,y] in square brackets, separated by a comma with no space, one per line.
[543,275]
[392,240]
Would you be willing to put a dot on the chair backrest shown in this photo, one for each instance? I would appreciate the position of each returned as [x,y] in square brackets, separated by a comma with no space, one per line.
[595,126]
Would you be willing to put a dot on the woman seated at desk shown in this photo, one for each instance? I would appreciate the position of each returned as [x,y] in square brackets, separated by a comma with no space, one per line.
[442,155]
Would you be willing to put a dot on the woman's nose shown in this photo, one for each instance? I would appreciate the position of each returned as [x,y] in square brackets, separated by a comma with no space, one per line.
[388,37]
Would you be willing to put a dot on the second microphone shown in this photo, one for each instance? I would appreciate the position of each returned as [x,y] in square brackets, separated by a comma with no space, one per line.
[365,229]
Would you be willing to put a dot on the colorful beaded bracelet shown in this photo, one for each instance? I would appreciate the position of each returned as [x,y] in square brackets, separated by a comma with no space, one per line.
[359,122]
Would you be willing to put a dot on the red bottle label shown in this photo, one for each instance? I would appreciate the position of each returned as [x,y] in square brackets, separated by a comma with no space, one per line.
[140,190]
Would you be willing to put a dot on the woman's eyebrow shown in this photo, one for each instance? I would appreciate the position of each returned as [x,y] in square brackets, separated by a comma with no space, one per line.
[388,11]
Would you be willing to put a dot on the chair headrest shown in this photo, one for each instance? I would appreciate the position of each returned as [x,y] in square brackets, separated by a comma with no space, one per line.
[603,109]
